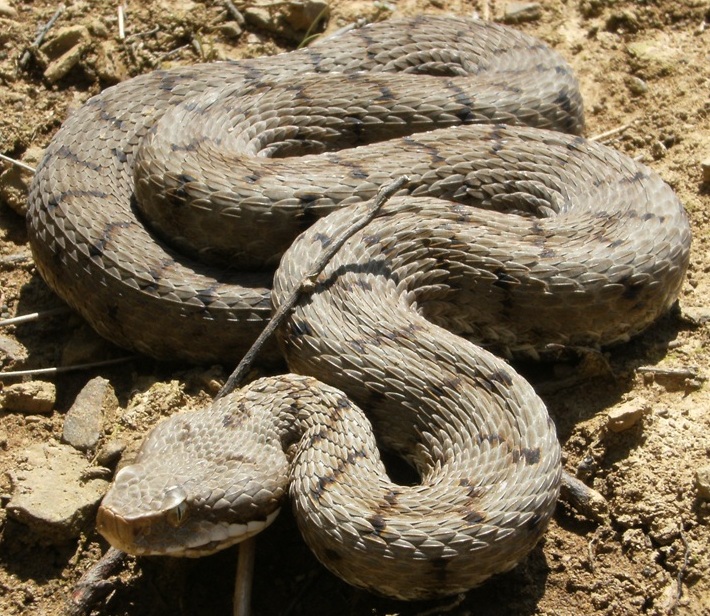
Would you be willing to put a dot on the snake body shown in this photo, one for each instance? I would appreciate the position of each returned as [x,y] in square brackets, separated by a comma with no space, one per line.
[507,237]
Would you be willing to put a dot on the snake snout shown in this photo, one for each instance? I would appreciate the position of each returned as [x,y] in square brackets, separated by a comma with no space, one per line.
[188,495]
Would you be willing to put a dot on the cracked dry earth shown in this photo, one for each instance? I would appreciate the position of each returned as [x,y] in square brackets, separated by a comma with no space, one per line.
[634,426]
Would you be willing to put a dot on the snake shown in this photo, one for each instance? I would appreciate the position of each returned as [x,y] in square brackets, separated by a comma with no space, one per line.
[163,206]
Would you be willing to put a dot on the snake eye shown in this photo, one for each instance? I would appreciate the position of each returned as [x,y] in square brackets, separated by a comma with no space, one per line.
[176,504]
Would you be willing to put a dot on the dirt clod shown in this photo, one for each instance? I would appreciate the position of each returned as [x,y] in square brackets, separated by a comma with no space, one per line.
[30,397]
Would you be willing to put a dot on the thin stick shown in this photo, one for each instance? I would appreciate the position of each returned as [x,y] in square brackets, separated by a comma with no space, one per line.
[612,132]
[173,52]
[34,316]
[584,499]
[143,34]
[684,567]
[64,369]
[17,163]
[690,373]
[308,280]
[121,23]
[234,12]
[40,37]
[94,584]
[244,578]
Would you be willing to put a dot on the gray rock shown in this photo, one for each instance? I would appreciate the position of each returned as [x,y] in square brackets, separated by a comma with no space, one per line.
[31,397]
[51,494]
[84,420]
[519,12]
[308,15]
[636,85]
[11,351]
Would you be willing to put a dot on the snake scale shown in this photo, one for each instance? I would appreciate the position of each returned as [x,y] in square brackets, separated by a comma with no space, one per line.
[163,205]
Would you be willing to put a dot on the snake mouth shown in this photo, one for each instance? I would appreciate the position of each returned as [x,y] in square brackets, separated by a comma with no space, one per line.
[154,536]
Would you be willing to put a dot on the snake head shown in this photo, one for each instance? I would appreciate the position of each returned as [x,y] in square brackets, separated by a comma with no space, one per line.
[195,487]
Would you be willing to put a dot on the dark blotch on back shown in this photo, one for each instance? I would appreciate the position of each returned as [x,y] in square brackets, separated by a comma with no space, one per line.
[378,523]
[97,248]
[472,491]
[472,516]
[501,376]
[504,280]
[631,290]
[531,456]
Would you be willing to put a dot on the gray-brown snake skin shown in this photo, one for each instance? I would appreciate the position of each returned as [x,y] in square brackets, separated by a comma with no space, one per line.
[516,238]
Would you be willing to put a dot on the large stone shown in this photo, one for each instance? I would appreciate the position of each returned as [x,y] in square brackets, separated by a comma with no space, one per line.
[51,493]
[83,423]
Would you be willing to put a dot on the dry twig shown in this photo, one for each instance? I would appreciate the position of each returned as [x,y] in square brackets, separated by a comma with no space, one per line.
[17,163]
[234,12]
[64,369]
[121,22]
[34,316]
[612,132]
[94,584]
[22,64]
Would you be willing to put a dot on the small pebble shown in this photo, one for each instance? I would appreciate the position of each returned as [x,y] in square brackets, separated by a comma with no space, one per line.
[110,453]
[636,85]
[658,150]
[30,397]
[15,181]
[627,415]
[231,30]
[307,16]
[702,482]
[293,21]
[519,12]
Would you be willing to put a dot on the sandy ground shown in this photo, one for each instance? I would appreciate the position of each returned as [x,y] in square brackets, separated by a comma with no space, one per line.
[644,68]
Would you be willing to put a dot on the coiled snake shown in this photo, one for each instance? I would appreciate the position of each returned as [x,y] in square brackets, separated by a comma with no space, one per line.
[506,237]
